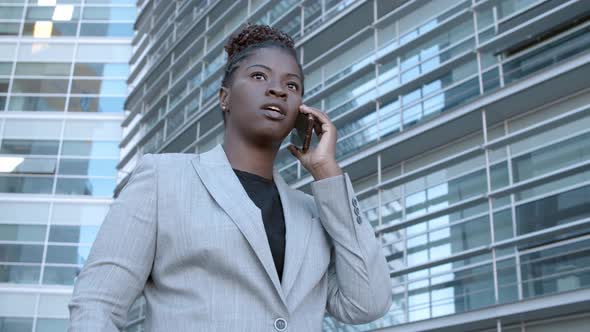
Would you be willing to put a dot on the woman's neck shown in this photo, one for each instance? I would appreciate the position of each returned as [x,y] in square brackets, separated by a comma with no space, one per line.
[251,158]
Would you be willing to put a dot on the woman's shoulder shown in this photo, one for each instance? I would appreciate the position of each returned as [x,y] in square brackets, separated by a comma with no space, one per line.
[170,162]
[169,157]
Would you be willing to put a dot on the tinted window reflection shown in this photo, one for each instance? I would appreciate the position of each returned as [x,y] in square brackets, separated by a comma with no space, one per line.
[20,274]
[107,30]
[23,253]
[552,211]
[37,103]
[22,233]
[75,234]
[558,269]
[90,167]
[52,29]
[96,104]
[90,187]
[67,254]
[10,324]
[10,146]
[101,69]
[26,185]
[90,149]
[54,275]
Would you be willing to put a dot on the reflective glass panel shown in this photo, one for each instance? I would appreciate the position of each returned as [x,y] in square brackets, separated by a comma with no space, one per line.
[57,275]
[50,324]
[44,29]
[551,158]
[42,69]
[73,234]
[29,166]
[554,210]
[557,269]
[90,149]
[67,254]
[37,103]
[19,274]
[99,86]
[23,253]
[109,13]
[88,167]
[107,30]
[101,69]
[91,187]
[48,13]
[11,324]
[28,147]
[10,232]
[96,104]
[39,86]
[26,185]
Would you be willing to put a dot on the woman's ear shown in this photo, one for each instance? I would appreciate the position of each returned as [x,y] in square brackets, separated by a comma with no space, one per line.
[224,98]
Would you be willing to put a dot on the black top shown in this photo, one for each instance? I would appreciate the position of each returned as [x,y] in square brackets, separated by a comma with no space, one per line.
[264,193]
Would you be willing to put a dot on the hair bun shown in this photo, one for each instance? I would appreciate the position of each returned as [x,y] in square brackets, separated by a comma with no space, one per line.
[252,34]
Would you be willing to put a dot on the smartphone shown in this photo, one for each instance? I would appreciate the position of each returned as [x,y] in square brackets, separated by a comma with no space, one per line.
[301,134]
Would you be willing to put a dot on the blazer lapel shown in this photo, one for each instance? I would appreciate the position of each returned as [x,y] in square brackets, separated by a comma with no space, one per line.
[222,183]
[298,224]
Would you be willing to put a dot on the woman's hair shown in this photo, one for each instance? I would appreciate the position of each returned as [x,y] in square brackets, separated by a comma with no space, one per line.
[254,36]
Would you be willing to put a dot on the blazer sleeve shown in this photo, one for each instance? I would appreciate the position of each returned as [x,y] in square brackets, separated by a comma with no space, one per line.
[359,287]
[121,257]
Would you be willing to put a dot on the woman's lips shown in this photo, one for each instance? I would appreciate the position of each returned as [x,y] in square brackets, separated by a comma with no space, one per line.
[273,114]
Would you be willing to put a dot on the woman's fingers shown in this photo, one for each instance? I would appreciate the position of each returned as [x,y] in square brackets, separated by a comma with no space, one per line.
[295,151]
[317,127]
[321,116]
[321,119]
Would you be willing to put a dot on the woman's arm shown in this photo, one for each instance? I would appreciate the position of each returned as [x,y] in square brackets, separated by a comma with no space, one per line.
[121,257]
[359,288]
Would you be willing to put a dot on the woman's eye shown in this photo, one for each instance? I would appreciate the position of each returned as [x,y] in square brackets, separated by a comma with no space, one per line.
[294,85]
[256,75]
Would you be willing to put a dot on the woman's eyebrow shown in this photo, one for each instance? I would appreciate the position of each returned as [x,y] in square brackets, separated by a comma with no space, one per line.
[268,68]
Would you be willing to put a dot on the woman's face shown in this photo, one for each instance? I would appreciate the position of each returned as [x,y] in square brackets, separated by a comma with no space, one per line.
[264,96]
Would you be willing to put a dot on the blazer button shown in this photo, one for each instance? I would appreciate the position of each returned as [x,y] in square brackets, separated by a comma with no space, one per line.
[355,203]
[358,220]
[280,324]
[356,211]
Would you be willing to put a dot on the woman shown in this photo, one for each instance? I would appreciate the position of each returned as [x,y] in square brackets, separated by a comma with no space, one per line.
[218,241]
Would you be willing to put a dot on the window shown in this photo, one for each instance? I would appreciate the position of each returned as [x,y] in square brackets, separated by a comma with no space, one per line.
[91,130]
[103,53]
[90,149]
[107,30]
[101,69]
[44,52]
[109,13]
[40,86]
[42,69]
[37,103]
[96,104]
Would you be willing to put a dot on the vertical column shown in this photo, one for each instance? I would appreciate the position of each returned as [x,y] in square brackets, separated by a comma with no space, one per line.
[513,214]
[490,205]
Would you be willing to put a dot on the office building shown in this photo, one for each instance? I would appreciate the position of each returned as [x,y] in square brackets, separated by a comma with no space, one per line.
[63,71]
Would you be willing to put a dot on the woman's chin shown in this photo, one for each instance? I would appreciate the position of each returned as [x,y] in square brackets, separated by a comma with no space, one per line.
[272,136]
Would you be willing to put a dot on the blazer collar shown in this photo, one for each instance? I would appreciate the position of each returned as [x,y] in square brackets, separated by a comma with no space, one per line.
[217,175]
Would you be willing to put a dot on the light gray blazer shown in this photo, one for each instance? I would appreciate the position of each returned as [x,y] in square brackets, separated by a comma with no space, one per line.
[184,231]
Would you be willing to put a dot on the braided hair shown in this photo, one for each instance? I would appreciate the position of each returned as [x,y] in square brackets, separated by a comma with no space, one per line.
[254,36]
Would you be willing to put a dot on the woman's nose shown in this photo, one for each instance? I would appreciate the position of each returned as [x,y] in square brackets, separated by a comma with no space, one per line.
[276,91]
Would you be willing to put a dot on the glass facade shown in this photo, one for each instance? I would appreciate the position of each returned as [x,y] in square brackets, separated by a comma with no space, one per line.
[63,71]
